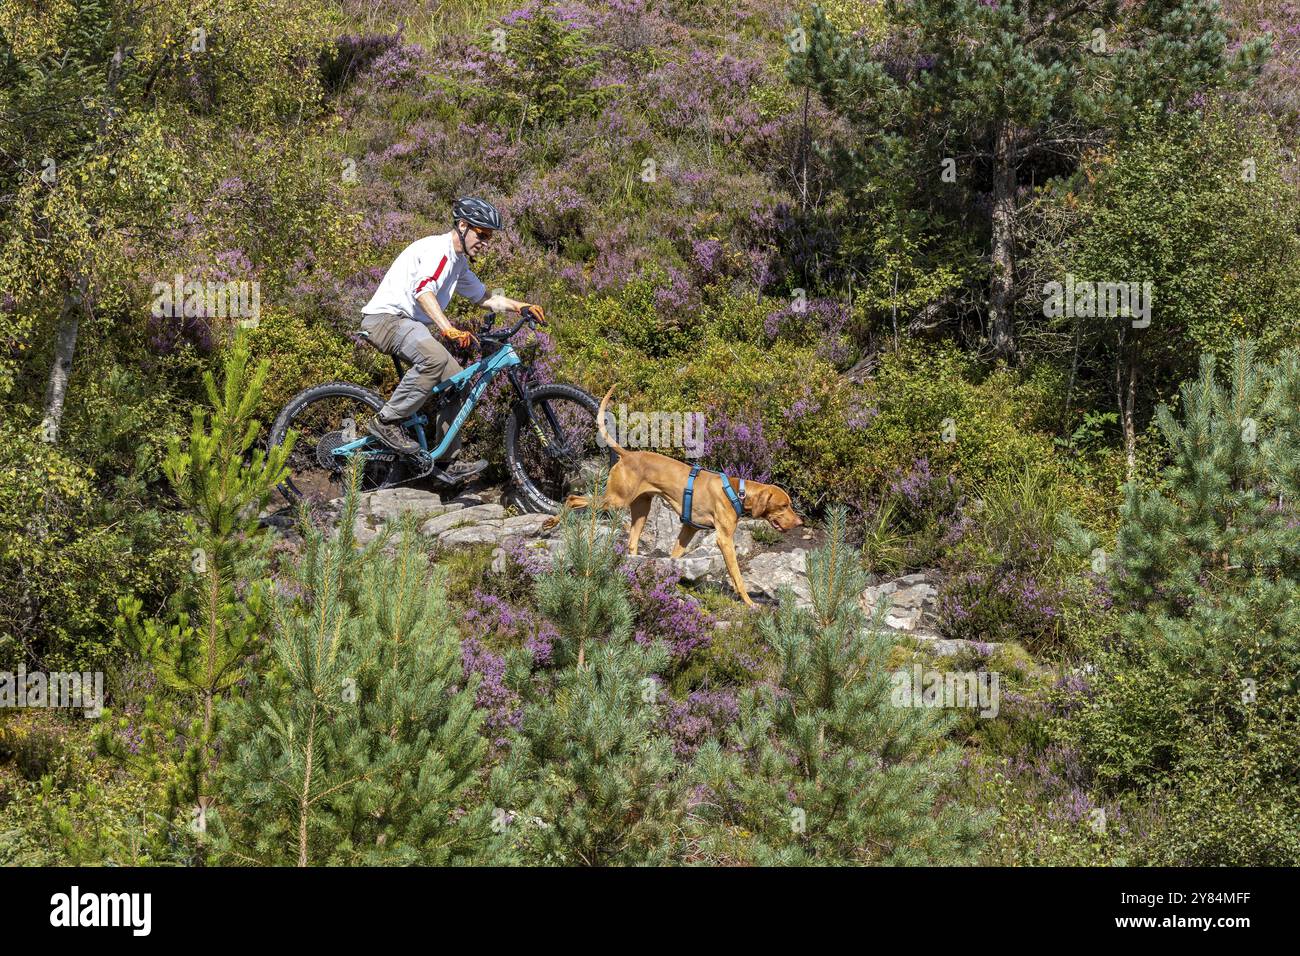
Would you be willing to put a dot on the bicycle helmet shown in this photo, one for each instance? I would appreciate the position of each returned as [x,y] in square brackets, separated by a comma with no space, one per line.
[476,212]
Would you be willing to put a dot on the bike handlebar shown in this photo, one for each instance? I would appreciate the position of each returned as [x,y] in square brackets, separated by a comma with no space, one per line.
[503,335]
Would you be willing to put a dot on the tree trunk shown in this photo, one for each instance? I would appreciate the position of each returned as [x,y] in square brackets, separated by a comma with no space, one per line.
[64,348]
[1130,430]
[1001,332]
[304,801]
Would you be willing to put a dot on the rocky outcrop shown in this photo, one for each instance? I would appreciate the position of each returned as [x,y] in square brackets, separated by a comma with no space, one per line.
[905,605]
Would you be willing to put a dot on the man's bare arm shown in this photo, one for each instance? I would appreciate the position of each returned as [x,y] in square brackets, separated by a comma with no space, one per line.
[429,302]
[499,303]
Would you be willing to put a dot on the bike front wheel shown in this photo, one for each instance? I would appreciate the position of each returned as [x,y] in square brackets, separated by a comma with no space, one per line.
[555,451]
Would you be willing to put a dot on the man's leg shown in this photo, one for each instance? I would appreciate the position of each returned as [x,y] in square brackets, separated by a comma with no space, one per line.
[431,363]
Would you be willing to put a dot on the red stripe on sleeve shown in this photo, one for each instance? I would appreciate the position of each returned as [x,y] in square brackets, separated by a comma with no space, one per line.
[433,278]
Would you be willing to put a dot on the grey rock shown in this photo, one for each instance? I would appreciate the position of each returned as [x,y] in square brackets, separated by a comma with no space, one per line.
[693,567]
[391,503]
[499,555]
[902,619]
[362,531]
[689,568]
[661,528]
[663,525]
[475,514]
[771,571]
[471,534]
[948,646]
[913,597]
[529,525]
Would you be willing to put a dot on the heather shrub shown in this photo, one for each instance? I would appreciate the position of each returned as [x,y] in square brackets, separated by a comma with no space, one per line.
[1004,577]
[663,613]
[824,321]
[927,508]
[1000,605]
[552,214]
[350,55]
[702,716]
[738,445]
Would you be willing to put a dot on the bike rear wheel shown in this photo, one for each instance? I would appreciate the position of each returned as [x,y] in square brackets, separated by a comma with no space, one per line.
[555,454]
[325,417]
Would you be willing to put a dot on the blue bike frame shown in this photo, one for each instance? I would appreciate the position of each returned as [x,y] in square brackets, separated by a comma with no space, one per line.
[486,369]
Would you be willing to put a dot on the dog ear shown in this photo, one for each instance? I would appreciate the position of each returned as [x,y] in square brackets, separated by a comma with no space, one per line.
[760,500]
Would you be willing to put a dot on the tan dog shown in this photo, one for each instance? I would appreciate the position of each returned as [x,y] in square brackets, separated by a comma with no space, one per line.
[638,476]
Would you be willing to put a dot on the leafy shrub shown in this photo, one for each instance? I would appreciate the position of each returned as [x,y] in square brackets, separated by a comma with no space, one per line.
[304,353]
[68,551]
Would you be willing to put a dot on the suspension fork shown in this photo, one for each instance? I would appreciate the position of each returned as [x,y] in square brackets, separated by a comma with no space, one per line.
[524,408]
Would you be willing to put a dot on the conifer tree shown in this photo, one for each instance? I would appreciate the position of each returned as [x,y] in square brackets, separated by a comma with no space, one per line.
[360,742]
[1198,693]
[598,776]
[220,612]
[989,86]
[821,766]
[585,595]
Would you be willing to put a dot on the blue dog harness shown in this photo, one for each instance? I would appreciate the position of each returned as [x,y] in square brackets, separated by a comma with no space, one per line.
[737,500]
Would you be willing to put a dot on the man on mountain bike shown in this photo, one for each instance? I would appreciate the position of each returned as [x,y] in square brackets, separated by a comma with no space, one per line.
[411,297]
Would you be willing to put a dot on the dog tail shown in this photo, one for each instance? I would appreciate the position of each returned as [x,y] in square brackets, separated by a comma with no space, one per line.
[600,423]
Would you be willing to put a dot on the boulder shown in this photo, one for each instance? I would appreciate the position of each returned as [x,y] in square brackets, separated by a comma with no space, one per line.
[362,531]
[499,555]
[950,647]
[689,567]
[471,534]
[770,571]
[529,525]
[662,527]
[468,499]
[475,514]
[390,503]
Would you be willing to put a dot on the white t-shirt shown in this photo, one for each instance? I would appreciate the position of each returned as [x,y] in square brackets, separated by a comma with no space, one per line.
[432,265]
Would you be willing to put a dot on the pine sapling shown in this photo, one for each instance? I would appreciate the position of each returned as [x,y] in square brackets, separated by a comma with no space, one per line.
[821,766]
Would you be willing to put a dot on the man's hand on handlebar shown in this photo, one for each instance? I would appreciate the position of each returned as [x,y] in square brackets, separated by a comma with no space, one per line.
[459,336]
[533,312]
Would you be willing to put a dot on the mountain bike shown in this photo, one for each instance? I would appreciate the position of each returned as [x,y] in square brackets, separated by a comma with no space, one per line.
[552,446]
